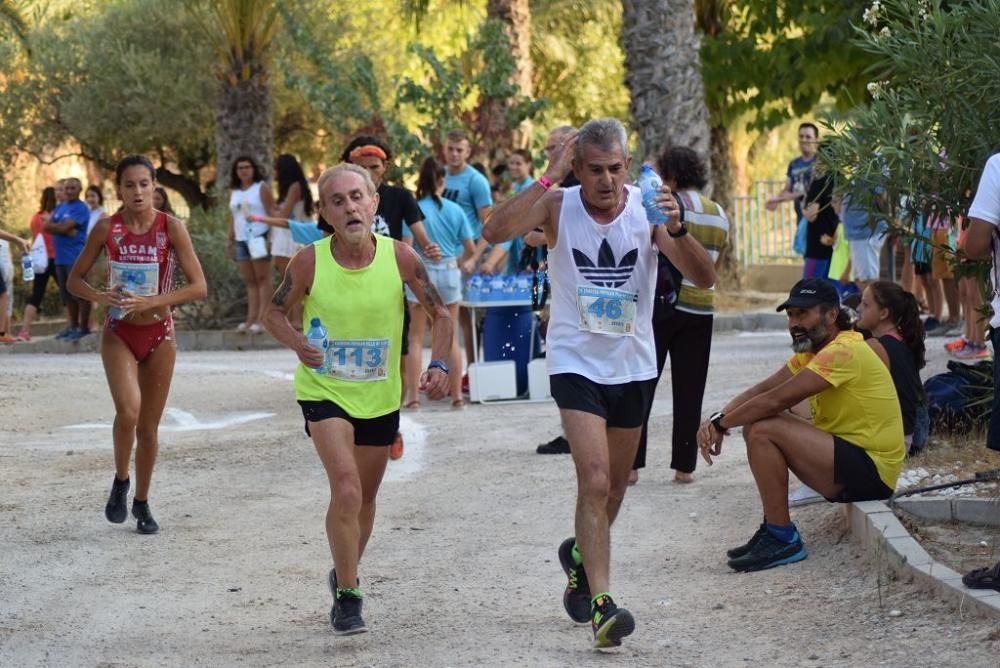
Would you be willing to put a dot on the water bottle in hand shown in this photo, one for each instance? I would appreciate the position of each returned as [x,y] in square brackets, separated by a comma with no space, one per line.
[316,336]
[649,186]
[27,269]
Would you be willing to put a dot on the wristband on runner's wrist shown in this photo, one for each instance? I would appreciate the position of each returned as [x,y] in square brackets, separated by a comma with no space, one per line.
[437,364]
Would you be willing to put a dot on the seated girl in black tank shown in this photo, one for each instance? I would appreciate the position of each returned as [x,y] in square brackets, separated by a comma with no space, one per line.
[892,316]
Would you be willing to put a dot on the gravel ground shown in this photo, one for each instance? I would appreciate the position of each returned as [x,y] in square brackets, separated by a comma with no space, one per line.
[461,570]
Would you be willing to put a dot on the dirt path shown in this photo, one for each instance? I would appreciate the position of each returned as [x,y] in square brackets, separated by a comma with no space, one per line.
[462,568]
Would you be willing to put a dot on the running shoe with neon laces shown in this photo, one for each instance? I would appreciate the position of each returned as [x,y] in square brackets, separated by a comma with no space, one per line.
[971,351]
[396,449]
[609,622]
[768,552]
[346,613]
[576,598]
[957,344]
[144,518]
[117,508]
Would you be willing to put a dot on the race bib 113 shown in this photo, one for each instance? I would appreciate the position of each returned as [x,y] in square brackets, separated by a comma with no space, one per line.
[357,360]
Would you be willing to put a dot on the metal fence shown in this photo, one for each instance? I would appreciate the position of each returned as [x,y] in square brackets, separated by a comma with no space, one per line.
[762,236]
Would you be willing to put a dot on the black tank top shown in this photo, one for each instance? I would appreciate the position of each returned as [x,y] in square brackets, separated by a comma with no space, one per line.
[905,377]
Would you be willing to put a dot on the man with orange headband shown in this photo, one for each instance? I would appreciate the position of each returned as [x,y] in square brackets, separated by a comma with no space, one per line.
[395,206]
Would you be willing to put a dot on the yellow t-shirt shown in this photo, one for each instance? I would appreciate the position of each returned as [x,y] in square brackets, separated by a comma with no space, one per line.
[861,407]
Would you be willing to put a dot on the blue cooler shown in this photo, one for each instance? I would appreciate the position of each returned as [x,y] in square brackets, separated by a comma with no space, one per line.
[507,336]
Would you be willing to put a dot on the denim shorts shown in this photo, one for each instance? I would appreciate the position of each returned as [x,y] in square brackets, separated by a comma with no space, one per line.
[446,277]
[242,252]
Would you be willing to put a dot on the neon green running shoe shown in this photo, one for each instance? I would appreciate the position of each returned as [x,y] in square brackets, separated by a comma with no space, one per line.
[609,622]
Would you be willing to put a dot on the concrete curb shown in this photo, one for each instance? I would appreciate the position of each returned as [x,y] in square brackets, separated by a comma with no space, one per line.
[186,341]
[876,527]
[972,511]
[750,321]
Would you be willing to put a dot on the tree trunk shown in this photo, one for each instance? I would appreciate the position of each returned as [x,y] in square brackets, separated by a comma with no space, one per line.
[188,188]
[516,18]
[723,194]
[242,126]
[663,75]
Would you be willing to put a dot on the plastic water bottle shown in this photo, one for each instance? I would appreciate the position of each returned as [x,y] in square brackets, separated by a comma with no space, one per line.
[484,289]
[473,288]
[27,269]
[510,287]
[649,185]
[316,336]
[118,313]
[496,288]
[523,286]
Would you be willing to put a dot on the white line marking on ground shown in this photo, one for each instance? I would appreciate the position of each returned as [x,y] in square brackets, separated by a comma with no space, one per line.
[178,420]
[414,451]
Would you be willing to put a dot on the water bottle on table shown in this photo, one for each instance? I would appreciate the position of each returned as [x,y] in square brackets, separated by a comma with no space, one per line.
[316,336]
[510,288]
[473,287]
[496,288]
[649,186]
[27,269]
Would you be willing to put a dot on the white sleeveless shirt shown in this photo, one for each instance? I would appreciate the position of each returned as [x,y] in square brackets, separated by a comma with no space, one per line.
[603,279]
[243,203]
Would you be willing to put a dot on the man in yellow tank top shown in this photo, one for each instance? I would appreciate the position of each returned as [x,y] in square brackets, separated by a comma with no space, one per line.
[851,450]
[351,286]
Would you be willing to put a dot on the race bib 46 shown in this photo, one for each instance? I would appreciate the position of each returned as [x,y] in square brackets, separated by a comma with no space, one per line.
[606,310]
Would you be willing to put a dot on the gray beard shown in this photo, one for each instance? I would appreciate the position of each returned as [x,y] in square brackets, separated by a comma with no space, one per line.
[813,341]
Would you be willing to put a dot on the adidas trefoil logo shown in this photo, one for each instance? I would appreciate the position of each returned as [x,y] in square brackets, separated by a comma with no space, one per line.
[607,273]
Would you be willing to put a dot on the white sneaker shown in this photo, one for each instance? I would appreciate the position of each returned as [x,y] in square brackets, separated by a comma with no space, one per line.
[804,496]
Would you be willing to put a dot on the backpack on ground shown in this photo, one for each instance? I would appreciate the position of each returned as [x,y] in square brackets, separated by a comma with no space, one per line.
[960,399]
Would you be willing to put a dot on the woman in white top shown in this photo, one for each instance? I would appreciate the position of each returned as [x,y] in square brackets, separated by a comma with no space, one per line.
[250,195]
[95,202]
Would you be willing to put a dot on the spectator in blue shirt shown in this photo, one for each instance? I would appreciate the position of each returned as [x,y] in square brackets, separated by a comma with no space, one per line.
[468,188]
[865,237]
[799,173]
[68,227]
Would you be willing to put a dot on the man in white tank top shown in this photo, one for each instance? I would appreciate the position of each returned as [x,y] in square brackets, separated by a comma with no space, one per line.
[601,355]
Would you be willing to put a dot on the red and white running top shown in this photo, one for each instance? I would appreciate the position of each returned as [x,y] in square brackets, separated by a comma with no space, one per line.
[131,256]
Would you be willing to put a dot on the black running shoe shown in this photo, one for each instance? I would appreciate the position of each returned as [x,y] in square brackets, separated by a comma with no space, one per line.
[347,614]
[769,552]
[737,552]
[576,598]
[557,446]
[144,518]
[117,509]
[610,623]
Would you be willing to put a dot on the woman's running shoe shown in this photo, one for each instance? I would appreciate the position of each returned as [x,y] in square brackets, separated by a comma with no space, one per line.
[957,344]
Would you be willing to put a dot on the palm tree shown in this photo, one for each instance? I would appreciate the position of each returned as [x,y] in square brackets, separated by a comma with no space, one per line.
[242,32]
[13,19]
[663,75]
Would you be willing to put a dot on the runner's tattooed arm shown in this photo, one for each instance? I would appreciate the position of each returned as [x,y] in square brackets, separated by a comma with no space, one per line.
[294,286]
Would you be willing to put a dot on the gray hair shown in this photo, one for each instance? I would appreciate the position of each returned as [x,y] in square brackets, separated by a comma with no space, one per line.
[344,168]
[604,133]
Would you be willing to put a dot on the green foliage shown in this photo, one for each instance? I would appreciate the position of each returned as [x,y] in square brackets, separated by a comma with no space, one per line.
[457,91]
[12,20]
[124,80]
[226,300]
[932,121]
[774,59]
[577,68]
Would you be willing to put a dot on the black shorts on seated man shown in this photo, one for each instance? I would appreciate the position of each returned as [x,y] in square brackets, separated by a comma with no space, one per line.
[851,450]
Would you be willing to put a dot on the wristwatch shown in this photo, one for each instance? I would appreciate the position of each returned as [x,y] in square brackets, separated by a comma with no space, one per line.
[716,421]
[679,233]
[437,364]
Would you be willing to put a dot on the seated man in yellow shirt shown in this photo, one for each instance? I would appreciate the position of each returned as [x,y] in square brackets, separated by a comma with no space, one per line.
[852,450]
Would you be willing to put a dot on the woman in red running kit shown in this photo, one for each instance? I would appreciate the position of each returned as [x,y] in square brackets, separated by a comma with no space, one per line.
[143,246]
